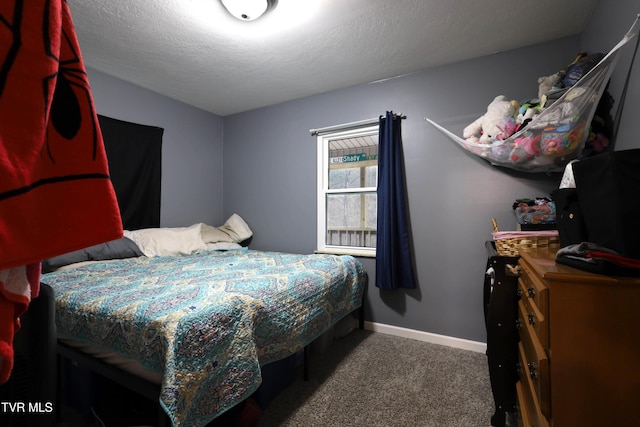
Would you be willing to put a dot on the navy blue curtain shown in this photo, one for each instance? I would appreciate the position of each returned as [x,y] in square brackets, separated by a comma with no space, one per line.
[394,262]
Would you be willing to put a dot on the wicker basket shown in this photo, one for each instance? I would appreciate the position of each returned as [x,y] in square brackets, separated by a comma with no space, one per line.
[509,246]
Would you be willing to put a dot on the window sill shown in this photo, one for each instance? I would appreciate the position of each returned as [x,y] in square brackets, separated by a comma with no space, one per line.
[354,253]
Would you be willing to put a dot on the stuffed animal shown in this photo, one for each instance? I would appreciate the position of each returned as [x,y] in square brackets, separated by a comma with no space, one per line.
[500,152]
[525,148]
[561,140]
[498,123]
[545,84]
[527,111]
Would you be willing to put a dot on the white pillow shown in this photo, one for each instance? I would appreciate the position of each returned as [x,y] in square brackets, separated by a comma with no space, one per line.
[168,241]
[235,230]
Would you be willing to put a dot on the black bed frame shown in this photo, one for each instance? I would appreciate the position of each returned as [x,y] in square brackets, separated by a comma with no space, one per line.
[139,385]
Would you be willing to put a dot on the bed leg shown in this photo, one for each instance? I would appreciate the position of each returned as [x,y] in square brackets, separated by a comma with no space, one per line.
[305,363]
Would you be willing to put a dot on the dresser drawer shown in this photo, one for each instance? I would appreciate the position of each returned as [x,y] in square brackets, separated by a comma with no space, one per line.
[537,320]
[524,415]
[534,361]
[587,375]
[529,404]
[534,287]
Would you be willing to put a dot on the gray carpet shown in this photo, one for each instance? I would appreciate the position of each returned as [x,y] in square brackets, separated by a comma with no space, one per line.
[373,379]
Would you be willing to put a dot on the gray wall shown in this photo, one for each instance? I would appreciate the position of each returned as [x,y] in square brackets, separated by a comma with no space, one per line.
[270,178]
[270,171]
[191,148]
[266,172]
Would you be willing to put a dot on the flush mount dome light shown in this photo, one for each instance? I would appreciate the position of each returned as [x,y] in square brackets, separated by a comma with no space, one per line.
[248,10]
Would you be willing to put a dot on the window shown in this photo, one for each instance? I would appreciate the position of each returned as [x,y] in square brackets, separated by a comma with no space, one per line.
[347,183]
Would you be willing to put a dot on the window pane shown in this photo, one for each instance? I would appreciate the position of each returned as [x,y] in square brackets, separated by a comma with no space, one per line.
[353,162]
[353,177]
[344,178]
[371,176]
[351,219]
[371,218]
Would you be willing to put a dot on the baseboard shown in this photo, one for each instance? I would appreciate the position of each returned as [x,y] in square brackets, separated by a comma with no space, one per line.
[476,346]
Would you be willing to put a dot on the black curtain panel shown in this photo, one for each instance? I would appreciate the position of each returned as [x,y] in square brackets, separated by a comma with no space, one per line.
[134,153]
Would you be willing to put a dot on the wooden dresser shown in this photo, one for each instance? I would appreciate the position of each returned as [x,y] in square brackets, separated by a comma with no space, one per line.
[579,349]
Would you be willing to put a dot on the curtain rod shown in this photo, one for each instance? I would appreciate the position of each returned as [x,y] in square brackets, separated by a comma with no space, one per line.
[350,125]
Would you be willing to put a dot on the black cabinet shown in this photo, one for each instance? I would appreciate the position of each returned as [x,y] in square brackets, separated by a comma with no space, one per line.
[501,312]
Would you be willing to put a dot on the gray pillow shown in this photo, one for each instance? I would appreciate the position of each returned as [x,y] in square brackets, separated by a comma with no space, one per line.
[115,249]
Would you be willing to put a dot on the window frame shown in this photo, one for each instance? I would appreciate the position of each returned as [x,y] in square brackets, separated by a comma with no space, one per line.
[323,190]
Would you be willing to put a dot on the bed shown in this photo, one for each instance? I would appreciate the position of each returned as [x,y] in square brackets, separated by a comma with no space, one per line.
[200,324]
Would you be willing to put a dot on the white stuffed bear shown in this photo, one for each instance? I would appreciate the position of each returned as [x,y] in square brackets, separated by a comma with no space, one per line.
[498,123]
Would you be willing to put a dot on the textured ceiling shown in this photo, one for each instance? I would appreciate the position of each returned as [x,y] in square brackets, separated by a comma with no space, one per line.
[195,52]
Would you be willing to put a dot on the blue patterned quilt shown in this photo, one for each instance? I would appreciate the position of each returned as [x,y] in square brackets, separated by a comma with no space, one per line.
[206,322]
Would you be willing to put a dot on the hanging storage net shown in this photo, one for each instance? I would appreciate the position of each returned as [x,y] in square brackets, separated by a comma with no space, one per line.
[557,132]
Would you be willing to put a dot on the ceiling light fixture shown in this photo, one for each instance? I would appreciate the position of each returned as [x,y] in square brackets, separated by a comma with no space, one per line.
[248,10]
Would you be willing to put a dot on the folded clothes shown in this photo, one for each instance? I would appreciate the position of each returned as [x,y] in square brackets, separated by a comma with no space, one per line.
[594,258]
[582,249]
[538,211]
[617,259]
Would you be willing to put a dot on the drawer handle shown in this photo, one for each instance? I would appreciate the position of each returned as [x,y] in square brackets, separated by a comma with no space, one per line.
[532,319]
[518,368]
[518,324]
[519,293]
[532,292]
[533,370]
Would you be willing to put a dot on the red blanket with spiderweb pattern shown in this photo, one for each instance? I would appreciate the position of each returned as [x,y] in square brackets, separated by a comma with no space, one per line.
[55,191]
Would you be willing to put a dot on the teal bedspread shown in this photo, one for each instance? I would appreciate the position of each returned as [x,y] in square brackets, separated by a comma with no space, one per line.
[206,322]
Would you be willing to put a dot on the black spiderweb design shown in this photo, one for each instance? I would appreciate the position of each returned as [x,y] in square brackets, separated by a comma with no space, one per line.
[66,93]
[65,113]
